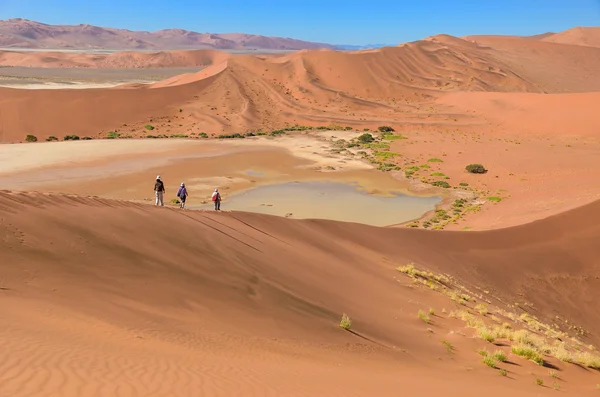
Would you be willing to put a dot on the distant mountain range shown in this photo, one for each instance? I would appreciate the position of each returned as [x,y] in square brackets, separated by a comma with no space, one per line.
[23,33]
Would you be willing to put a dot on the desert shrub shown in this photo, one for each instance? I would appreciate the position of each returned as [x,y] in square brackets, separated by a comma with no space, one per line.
[87,138]
[463,184]
[250,134]
[476,169]
[31,138]
[438,174]
[112,135]
[70,138]
[231,136]
[443,184]
[494,199]
[51,138]
[345,323]
[435,160]
[261,133]
[366,138]
[385,128]
[203,135]
[348,128]
[149,127]
[277,132]
[502,372]
[175,201]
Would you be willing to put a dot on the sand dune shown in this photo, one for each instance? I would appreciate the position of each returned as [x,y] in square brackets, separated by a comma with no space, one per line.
[126,299]
[584,36]
[369,88]
[118,60]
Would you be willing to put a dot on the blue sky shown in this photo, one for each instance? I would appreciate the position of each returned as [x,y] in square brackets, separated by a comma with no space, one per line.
[331,21]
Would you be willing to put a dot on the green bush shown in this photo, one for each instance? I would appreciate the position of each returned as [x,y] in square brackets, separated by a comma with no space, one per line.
[86,138]
[70,138]
[277,132]
[231,136]
[51,138]
[149,127]
[443,184]
[385,128]
[31,138]
[112,135]
[476,169]
[366,138]
[203,135]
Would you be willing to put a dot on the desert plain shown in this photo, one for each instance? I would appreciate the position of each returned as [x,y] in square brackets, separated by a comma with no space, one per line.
[355,255]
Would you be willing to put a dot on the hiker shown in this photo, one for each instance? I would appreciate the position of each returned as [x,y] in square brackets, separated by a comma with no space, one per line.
[216,197]
[159,191]
[182,194]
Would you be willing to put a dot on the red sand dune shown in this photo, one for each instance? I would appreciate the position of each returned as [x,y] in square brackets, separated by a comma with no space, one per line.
[584,36]
[129,299]
[122,60]
[310,87]
[22,33]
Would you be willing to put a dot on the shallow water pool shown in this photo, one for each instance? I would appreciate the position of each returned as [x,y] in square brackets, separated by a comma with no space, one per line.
[328,200]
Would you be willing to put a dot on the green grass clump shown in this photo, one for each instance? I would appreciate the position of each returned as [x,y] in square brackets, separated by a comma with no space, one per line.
[345,323]
[539,382]
[486,334]
[51,138]
[448,345]
[423,316]
[435,160]
[31,138]
[489,361]
[112,135]
[494,199]
[438,174]
[149,127]
[377,145]
[443,184]
[499,355]
[70,138]
[386,155]
[463,184]
[203,135]
[392,137]
[385,128]
[588,360]
[529,353]
[502,372]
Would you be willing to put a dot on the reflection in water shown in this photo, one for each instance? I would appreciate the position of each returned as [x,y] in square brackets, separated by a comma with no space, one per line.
[328,200]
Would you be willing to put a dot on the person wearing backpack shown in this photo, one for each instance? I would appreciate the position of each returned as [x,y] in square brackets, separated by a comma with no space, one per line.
[216,197]
[182,194]
[159,191]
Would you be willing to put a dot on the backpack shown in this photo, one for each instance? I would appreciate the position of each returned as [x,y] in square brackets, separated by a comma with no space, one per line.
[215,197]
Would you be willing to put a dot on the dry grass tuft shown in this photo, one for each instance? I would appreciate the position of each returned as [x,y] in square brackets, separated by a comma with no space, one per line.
[423,316]
[345,323]
[528,352]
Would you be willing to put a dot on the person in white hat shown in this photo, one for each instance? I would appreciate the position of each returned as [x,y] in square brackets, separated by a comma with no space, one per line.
[182,194]
[159,191]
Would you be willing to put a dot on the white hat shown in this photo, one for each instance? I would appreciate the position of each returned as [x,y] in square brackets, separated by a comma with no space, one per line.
[216,190]
[157,176]
[182,184]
